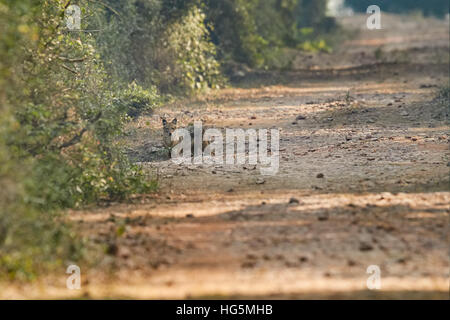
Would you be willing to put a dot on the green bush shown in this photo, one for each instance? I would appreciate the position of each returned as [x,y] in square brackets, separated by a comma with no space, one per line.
[236,32]
[60,118]
[251,31]
[189,45]
[135,100]
[29,238]
[177,45]
[159,43]
[71,115]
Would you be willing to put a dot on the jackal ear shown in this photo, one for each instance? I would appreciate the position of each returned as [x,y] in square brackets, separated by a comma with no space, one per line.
[174,121]
[164,121]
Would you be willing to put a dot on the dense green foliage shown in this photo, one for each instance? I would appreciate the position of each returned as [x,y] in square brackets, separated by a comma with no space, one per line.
[60,117]
[429,7]
[27,237]
[70,115]
[65,97]
[251,31]
[150,37]
[158,43]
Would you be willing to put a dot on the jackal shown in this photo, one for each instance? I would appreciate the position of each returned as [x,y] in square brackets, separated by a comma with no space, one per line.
[170,127]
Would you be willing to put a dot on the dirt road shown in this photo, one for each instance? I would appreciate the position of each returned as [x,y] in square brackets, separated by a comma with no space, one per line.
[363,180]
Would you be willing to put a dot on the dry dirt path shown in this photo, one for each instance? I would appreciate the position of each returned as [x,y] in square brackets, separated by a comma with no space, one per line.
[363,180]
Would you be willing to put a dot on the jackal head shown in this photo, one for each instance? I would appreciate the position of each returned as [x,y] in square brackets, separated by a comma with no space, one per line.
[168,129]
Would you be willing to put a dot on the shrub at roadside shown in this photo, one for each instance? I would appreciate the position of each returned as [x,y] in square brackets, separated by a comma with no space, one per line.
[60,118]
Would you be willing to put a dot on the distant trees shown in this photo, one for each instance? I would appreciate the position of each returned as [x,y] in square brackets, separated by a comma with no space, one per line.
[151,37]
